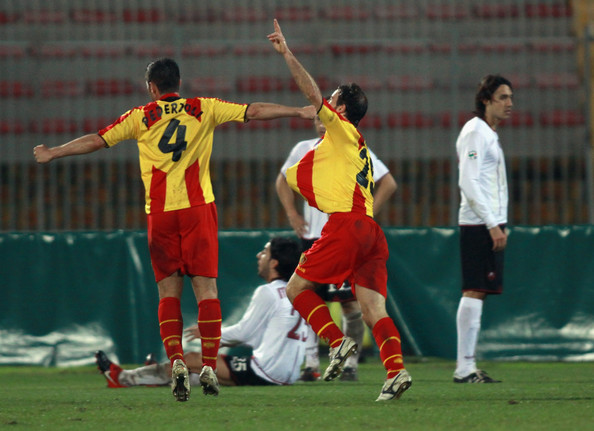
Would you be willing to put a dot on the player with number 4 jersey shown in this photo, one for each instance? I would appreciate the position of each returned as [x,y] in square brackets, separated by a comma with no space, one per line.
[175,138]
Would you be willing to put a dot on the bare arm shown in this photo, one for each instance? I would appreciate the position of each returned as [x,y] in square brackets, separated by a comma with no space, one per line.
[287,199]
[302,78]
[384,188]
[82,145]
[270,111]
[499,238]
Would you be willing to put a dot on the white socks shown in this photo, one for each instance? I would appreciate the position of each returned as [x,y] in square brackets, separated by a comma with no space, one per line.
[468,324]
[312,358]
[355,328]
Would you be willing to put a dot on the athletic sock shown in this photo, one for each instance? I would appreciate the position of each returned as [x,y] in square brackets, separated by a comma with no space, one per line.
[316,313]
[312,354]
[387,338]
[355,328]
[209,324]
[468,325]
[171,327]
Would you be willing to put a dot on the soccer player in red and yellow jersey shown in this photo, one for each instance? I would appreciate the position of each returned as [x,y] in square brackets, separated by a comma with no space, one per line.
[175,138]
[337,178]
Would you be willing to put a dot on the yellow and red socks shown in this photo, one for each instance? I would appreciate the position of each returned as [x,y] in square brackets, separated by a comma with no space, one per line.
[209,324]
[316,313]
[171,326]
[387,338]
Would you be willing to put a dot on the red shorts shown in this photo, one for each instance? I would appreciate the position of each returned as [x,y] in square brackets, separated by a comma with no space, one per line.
[352,247]
[184,240]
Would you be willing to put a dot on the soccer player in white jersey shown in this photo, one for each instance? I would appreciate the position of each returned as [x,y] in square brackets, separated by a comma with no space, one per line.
[482,218]
[308,226]
[270,326]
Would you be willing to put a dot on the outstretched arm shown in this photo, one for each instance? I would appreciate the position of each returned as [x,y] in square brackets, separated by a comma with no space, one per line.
[270,111]
[302,78]
[82,145]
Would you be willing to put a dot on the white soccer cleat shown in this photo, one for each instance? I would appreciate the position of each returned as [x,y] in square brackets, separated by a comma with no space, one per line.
[180,380]
[209,381]
[338,356]
[393,388]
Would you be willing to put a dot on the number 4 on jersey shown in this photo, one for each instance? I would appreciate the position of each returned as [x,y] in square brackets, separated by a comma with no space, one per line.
[180,140]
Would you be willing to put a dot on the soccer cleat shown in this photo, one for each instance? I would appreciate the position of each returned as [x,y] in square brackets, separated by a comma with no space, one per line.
[349,374]
[393,388]
[209,381]
[109,370]
[310,374]
[338,355]
[150,359]
[180,380]
[479,376]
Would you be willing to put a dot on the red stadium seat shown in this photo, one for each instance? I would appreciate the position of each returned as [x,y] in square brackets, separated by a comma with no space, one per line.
[520,80]
[209,86]
[110,87]
[92,125]
[552,45]
[200,50]
[496,10]
[103,51]
[57,51]
[445,119]
[372,121]
[501,46]
[559,9]
[446,11]
[11,127]
[92,16]
[152,51]
[58,88]
[16,89]
[245,13]
[54,126]
[295,13]
[409,120]
[520,119]
[410,83]
[366,82]
[396,12]
[557,80]
[323,82]
[253,50]
[300,124]
[561,117]
[8,17]
[259,84]
[12,51]
[346,13]
[44,16]
[355,48]
[447,47]
[405,47]
[143,15]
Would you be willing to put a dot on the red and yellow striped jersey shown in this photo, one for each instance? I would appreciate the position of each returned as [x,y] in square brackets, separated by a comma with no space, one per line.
[175,137]
[337,175]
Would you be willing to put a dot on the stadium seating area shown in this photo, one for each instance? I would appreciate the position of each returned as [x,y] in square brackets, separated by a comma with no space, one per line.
[72,69]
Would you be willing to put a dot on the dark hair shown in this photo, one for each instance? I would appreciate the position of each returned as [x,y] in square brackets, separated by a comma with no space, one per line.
[486,88]
[287,252]
[164,73]
[355,101]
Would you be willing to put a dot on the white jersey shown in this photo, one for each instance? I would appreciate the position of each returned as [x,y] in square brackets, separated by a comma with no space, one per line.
[274,330]
[483,180]
[315,218]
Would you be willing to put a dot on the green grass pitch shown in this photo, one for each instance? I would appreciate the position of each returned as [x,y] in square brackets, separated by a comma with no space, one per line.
[533,396]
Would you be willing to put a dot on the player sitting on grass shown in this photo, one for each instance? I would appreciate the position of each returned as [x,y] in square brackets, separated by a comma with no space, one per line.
[270,326]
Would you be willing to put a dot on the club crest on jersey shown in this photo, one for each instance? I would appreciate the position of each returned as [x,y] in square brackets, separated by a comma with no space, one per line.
[472,155]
